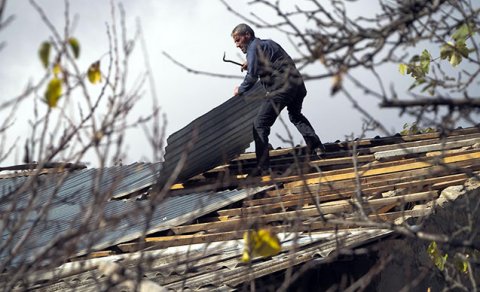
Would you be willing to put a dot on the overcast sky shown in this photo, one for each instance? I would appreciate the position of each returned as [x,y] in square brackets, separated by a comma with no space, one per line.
[194,32]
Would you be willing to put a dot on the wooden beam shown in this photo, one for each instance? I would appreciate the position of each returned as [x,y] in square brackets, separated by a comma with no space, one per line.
[457,132]
[389,178]
[341,206]
[365,182]
[425,148]
[365,172]
[383,181]
[412,144]
[342,160]
[351,222]
[270,205]
[179,240]
[350,170]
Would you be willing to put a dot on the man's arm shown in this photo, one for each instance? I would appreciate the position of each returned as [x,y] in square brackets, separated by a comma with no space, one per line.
[252,71]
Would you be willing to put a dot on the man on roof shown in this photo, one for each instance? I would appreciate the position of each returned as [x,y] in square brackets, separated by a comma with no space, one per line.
[267,61]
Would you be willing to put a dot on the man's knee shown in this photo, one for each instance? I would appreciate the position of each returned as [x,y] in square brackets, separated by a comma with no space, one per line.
[258,124]
[261,129]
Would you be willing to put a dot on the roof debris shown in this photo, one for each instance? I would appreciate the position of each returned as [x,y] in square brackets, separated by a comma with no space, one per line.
[194,238]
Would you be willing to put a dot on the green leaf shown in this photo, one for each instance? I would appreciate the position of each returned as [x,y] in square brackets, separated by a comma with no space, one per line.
[454,52]
[446,51]
[44,53]
[75,46]
[53,93]
[455,59]
[402,68]
[462,32]
[418,73]
[461,264]
[429,130]
[462,49]
[425,61]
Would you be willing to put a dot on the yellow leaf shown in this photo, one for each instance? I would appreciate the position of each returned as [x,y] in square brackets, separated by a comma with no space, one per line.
[56,69]
[75,45]
[94,74]
[53,93]
[436,256]
[337,83]
[44,53]
[402,68]
[262,243]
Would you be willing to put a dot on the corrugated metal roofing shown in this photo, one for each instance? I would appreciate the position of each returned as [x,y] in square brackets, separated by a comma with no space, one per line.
[294,206]
[217,137]
[220,259]
[326,243]
[70,195]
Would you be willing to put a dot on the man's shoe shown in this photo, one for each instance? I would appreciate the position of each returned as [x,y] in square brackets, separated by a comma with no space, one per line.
[320,151]
[317,154]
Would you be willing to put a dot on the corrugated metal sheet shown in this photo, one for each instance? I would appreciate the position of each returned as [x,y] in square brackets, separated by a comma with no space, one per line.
[218,136]
[173,211]
[316,244]
[216,265]
[71,195]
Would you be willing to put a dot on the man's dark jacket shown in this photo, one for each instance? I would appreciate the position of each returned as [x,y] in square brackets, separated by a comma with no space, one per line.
[277,72]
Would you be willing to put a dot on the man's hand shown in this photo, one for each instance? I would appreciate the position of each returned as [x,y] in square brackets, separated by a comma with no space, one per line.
[235,91]
[244,67]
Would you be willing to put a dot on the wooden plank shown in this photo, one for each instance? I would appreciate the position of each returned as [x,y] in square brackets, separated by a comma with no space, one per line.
[383,170]
[363,142]
[341,206]
[365,182]
[342,160]
[449,139]
[440,153]
[270,205]
[456,132]
[350,222]
[273,153]
[407,138]
[444,184]
[350,170]
[99,254]
[367,142]
[384,180]
[179,240]
[425,148]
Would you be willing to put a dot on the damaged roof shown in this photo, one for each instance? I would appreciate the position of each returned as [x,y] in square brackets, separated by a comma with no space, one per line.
[191,236]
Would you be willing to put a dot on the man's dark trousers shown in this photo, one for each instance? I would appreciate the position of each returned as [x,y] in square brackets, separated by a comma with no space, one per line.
[269,110]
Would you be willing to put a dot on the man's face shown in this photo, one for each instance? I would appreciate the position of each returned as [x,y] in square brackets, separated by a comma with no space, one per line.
[242,41]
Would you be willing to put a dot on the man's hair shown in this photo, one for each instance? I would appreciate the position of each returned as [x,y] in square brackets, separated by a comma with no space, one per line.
[243,29]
